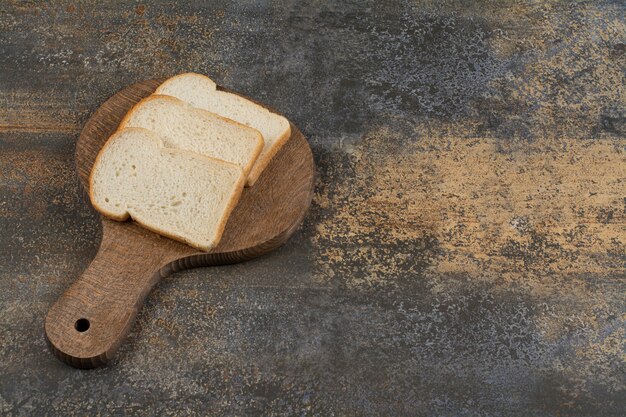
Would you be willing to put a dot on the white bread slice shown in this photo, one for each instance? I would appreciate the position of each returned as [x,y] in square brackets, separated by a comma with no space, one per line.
[182,126]
[201,92]
[179,194]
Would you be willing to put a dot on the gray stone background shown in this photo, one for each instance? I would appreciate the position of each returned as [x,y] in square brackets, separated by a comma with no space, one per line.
[465,251]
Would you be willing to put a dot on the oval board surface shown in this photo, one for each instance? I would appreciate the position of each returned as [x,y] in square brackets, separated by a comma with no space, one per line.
[88,322]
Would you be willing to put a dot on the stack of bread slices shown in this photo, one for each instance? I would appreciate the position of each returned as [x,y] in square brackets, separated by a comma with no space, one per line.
[181,157]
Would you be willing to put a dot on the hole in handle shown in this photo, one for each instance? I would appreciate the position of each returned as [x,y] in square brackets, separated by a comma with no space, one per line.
[81,325]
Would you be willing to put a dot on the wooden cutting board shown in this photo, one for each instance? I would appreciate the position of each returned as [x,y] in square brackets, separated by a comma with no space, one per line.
[89,321]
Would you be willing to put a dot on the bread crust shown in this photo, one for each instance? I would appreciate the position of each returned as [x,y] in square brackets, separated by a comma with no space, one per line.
[260,142]
[164,84]
[230,205]
[263,161]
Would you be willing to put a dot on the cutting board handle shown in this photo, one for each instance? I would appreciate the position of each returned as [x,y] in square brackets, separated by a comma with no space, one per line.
[89,321]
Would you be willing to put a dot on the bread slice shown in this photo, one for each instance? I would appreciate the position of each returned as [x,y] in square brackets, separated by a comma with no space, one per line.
[182,126]
[201,92]
[180,194]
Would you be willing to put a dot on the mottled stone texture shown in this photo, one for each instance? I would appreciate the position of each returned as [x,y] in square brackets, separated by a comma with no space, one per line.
[465,253]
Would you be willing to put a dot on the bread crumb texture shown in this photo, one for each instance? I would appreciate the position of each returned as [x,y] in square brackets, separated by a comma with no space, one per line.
[177,193]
